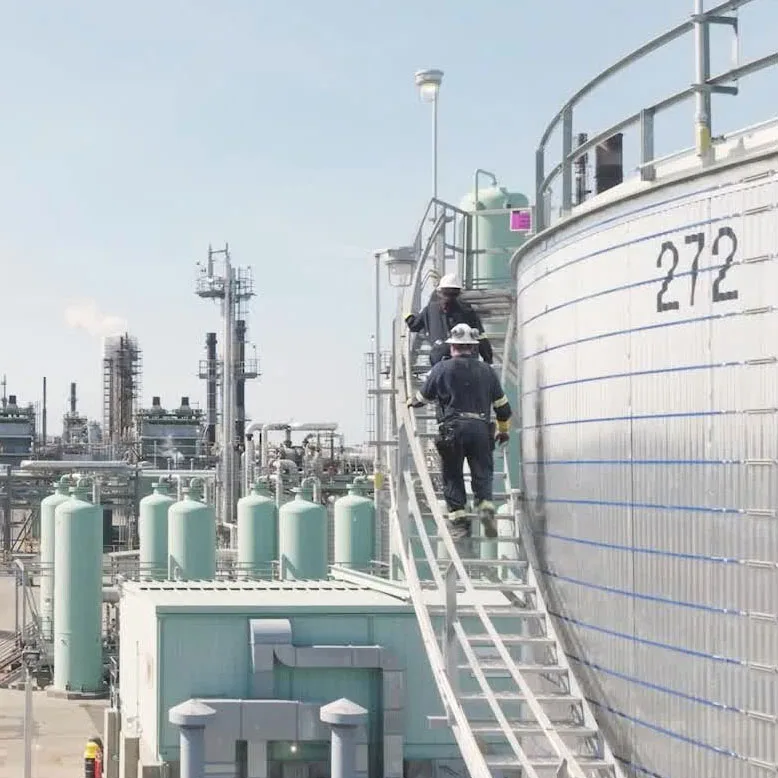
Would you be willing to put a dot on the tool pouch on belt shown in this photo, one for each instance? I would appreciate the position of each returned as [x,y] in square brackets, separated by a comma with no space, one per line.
[493,433]
[447,441]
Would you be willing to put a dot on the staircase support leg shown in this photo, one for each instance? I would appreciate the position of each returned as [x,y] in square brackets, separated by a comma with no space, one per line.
[450,645]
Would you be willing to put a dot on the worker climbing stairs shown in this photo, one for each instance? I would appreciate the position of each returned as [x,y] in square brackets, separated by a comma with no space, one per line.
[508,692]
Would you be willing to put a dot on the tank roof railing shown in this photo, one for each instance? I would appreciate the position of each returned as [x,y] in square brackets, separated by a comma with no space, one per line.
[644,118]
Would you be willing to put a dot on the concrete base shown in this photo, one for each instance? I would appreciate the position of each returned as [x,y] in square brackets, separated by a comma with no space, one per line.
[64,694]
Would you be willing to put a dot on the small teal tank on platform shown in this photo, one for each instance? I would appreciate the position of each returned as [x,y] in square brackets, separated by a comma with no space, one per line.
[257,534]
[492,237]
[48,508]
[354,529]
[153,532]
[191,540]
[302,539]
[78,593]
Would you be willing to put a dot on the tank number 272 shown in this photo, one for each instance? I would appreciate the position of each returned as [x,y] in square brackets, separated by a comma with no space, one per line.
[725,243]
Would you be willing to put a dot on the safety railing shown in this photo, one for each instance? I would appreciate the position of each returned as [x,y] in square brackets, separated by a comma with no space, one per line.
[406,515]
[705,84]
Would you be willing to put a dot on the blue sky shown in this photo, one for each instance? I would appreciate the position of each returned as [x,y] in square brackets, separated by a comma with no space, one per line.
[136,134]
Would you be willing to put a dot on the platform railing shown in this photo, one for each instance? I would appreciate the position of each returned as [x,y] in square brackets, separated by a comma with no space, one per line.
[704,86]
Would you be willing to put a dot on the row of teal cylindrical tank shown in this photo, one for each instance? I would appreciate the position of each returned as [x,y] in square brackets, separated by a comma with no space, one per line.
[72,585]
[178,539]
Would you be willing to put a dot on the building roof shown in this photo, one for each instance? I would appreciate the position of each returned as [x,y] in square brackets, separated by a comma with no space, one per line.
[241,596]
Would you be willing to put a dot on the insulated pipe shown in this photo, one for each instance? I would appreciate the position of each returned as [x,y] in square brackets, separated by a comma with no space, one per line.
[37,465]
[249,462]
[312,479]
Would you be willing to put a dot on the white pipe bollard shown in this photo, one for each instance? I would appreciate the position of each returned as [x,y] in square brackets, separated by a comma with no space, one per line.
[191,718]
[344,717]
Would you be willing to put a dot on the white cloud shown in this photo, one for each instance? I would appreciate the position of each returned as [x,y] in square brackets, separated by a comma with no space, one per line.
[85,315]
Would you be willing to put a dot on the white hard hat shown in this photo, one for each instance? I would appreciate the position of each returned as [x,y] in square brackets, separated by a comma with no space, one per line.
[463,335]
[449,281]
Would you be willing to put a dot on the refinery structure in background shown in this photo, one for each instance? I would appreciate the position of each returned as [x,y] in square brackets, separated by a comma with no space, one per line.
[136,442]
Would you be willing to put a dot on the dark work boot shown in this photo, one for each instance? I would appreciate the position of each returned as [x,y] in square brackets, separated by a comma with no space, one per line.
[486,514]
[461,530]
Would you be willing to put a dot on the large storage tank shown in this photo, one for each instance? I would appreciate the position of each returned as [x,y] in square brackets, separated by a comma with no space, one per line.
[257,533]
[302,539]
[48,508]
[492,237]
[78,583]
[153,532]
[191,540]
[354,529]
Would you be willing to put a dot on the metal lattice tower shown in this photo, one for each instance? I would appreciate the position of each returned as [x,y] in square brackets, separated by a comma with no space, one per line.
[233,287]
[122,369]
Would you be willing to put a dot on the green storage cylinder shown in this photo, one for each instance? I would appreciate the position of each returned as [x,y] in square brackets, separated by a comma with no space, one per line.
[492,237]
[257,534]
[48,507]
[302,539]
[191,540]
[152,532]
[78,590]
[354,529]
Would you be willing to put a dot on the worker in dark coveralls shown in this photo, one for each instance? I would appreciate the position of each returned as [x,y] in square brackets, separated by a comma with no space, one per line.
[443,312]
[466,390]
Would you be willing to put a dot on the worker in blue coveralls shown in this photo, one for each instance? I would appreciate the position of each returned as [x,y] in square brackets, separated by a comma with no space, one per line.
[444,311]
[466,390]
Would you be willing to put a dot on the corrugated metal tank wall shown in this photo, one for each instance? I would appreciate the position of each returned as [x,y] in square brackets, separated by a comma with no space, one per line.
[650,437]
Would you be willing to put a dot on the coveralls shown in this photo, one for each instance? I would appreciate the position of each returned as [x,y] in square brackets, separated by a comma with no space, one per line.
[466,390]
[437,323]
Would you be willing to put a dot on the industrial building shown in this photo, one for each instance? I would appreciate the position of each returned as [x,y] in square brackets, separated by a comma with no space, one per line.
[17,430]
[276,651]
[168,438]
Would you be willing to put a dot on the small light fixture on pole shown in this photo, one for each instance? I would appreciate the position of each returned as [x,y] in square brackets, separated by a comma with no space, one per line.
[428,82]
[401,262]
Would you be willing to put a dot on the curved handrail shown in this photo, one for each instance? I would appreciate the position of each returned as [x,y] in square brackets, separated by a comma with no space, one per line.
[406,430]
[644,117]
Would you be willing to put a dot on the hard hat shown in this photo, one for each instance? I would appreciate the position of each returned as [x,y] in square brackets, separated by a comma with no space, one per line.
[463,335]
[449,281]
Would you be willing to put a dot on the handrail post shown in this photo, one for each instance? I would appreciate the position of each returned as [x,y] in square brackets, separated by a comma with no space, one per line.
[450,652]
[567,162]
[647,169]
[702,116]
[540,174]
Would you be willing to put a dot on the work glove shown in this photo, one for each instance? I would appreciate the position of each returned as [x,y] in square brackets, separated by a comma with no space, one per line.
[501,438]
[412,402]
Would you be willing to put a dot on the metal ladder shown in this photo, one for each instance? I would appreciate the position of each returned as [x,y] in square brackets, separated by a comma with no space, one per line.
[508,692]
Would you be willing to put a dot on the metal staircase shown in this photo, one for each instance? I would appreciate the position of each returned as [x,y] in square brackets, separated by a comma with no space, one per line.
[508,692]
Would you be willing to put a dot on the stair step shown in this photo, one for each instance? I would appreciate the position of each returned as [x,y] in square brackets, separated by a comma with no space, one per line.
[523,728]
[518,697]
[508,762]
[511,640]
[487,665]
[475,538]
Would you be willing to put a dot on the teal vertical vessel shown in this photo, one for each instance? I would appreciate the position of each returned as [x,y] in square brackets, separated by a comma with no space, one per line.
[492,240]
[48,508]
[302,539]
[78,584]
[257,534]
[153,532]
[354,529]
[191,540]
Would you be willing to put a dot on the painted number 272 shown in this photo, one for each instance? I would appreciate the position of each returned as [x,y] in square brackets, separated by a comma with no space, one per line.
[726,241]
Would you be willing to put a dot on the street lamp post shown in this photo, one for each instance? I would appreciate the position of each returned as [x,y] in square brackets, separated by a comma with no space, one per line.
[400,263]
[30,659]
[428,82]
